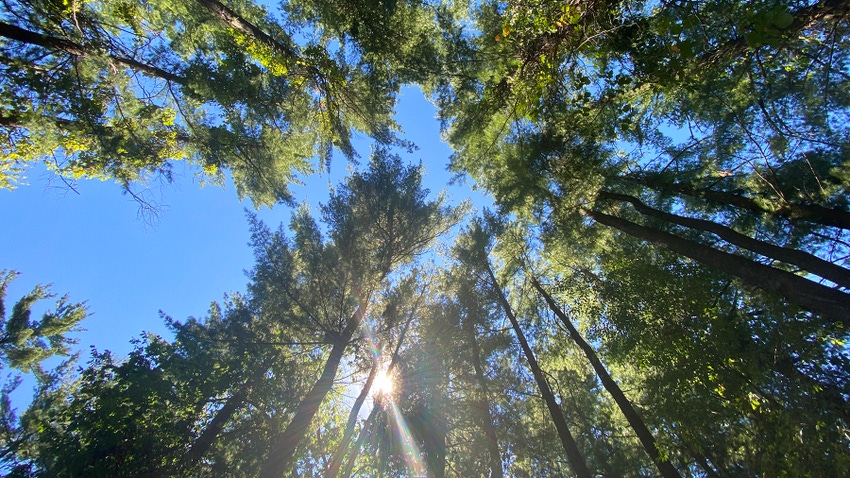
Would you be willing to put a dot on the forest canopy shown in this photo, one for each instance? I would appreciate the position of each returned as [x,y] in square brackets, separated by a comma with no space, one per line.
[660,290]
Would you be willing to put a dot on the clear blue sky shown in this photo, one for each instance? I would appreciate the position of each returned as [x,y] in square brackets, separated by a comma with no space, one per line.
[93,246]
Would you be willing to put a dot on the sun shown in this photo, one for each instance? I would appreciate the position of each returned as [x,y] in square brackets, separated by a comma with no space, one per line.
[383,384]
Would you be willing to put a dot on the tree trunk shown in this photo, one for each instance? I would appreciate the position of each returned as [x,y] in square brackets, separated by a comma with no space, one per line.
[13,32]
[483,406]
[809,262]
[281,453]
[570,446]
[635,421]
[805,212]
[339,452]
[358,445]
[283,450]
[810,295]
[210,433]
[237,22]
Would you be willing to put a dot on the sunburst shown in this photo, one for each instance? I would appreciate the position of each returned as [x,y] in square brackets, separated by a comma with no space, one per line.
[383,384]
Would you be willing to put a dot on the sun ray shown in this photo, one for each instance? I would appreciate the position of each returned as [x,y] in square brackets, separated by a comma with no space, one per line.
[383,387]
[410,451]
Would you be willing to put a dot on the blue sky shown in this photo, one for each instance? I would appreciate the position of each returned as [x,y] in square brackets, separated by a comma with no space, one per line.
[94,247]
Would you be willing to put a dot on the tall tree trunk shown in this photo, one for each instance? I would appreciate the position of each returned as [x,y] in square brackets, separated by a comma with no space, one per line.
[237,22]
[13,32]
[806,212]
[567,441]
[283,450]
[358,445]
[281,453]
[809,262]
[635,421]
[483,406]
[342,447]
[810,295]
[211,432]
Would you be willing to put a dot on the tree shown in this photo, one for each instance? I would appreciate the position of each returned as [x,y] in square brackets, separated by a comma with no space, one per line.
[475,255]
[691,155]
[574,121]
[377,221]
[669,257]
[611,386]
[402,304]
[26,343]
[472,316]
[192,406]
[700,357]
[123,89]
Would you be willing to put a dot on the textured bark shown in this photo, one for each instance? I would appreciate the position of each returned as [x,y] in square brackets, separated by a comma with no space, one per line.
[808,262]
[570,446]
[806,212]
[635,421]
[815,297]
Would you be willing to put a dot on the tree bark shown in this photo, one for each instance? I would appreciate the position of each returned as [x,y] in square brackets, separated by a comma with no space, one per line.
[805,212]
[815,297]
[635,421]
[282,452]
[809,262]
[567,441]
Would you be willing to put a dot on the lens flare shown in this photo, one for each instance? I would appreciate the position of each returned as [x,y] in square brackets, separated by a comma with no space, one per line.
[383,384]
[408,446]
[384,388]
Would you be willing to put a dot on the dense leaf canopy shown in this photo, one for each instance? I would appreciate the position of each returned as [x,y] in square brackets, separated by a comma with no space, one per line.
[662,290]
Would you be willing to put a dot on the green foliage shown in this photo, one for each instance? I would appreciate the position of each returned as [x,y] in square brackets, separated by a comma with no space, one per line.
[730,112]
[25,342]
[121,90]
[142,415]
[384,213]
[675,121]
